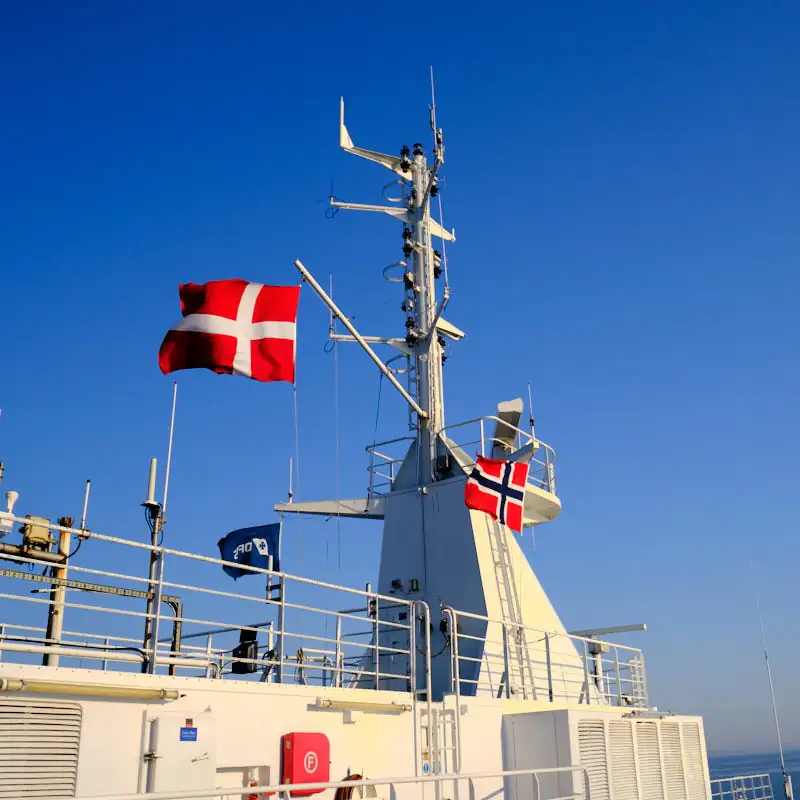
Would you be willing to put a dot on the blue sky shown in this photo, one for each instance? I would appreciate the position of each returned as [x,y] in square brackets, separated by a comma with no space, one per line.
[622,179]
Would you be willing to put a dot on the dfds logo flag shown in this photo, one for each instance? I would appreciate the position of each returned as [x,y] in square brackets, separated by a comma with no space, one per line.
[251,547]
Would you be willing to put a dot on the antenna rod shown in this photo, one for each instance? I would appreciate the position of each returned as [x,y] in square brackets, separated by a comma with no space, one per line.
[530,413]
[787,778]
[169,449]
[85,504]
[309,278]
[290,479]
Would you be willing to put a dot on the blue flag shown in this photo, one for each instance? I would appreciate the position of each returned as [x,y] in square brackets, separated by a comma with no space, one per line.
[251,547]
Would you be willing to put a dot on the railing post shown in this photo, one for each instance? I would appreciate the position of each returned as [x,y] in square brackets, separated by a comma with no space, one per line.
[282,626]
[482,448]
[586,672]
[549,659]
[338,673]
[377,645]
[2,638]
[209,653]
[371,471]
[412,650]
[106,642]
[456,675]
[619,676]
[159,590]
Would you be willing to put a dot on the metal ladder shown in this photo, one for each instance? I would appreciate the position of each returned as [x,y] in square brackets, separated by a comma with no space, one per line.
[439,747]
[519,678]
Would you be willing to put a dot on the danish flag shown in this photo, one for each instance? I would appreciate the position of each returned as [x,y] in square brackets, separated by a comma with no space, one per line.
[234,327]
[498,488]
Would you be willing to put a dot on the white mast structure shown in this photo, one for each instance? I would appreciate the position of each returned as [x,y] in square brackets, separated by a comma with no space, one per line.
[421,266]
[435,549]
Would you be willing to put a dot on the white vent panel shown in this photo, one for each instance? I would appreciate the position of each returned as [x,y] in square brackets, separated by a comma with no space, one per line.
[623,761]
[673,761]
[39,744]
[694,763]
[593,756]
[648,755]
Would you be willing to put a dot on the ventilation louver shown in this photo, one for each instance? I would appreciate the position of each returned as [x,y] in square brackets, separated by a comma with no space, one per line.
[39,743]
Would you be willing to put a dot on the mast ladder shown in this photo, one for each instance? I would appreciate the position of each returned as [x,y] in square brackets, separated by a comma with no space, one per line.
[520,678]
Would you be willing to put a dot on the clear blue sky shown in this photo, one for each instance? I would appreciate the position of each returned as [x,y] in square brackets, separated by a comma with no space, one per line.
[623,182]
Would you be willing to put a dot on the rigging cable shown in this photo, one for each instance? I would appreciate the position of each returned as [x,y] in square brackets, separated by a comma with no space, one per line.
[377,411]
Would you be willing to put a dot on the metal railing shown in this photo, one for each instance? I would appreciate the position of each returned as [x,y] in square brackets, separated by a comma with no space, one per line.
[744,787]
[543,782]
[386,458]
[384,466]
[304,637]
[541,473]
[505,659]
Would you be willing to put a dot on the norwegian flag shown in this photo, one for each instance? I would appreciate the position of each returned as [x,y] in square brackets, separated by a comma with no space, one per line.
[498,488]
[234,327]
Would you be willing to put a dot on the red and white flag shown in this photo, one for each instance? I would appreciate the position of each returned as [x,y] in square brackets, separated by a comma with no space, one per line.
[498,488]
[234,327]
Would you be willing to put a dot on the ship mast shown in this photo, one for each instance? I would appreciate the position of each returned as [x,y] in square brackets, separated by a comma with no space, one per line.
[423,343]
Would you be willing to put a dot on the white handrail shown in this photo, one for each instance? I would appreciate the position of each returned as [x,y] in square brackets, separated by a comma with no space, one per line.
[285,788]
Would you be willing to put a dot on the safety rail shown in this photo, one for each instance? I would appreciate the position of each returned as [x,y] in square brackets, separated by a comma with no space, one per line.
[303,638]
[528,663]
[743,787]
[383,467]
[386,458]
[544,784]
[541,472]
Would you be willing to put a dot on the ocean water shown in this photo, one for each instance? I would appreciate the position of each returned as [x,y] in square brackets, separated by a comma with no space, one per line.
[731,765]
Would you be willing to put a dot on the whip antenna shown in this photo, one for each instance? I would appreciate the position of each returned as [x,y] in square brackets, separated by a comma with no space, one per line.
[787,778]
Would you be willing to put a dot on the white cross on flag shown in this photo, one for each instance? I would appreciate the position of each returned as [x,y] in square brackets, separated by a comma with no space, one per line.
[234,327]
[498,488]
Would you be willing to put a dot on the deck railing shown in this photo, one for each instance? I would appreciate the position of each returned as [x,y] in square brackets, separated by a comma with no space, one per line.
[504,659]
[307,631]
[541,784]
[478,435]
[386,458]
[744,787]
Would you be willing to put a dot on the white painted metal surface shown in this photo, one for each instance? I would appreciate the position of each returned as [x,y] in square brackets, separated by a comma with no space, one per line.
[183,751]
[626,757]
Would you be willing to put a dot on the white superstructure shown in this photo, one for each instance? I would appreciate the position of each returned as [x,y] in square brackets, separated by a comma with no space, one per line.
[455,677]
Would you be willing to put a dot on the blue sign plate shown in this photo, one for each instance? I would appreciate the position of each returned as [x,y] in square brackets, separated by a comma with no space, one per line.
[188,734]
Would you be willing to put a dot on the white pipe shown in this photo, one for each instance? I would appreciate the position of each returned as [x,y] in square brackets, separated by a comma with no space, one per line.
[62,687]
[309,278]
[358,705]
[98,654]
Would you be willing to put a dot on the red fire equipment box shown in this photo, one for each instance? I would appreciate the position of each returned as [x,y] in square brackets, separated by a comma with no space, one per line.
[306,759]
